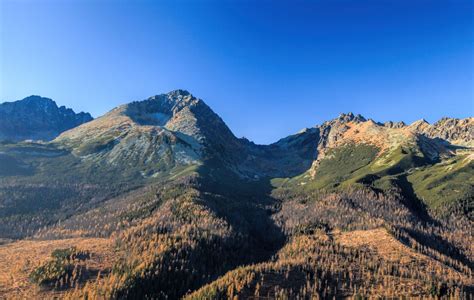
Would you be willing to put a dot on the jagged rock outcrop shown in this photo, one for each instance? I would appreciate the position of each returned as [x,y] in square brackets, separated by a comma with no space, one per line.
[332,131]
[391,124]
[37,118]
[456,131]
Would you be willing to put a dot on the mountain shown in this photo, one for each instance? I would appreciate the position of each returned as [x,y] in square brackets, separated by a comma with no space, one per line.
[37,118]
[159,199]
[177,129]
[353,150]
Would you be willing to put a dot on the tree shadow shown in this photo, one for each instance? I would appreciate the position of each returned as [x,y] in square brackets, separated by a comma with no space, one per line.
[247,206]
[412,202]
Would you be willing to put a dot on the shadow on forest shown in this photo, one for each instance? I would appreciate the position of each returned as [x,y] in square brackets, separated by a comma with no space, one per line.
[432,241]
[412,202]
[247,206]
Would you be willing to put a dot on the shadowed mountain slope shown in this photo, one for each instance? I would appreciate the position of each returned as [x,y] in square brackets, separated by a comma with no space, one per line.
[37,118]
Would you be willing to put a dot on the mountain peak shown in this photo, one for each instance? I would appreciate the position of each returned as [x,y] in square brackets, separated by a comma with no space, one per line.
[179,92]
[350,117]
[175,95]
[175,119]
[391,124]
[169,103]
[37,98]
[420,121]
[38,102]
[37,118]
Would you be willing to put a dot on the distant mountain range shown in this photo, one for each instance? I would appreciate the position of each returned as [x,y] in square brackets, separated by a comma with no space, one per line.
[187,203]
[37,118]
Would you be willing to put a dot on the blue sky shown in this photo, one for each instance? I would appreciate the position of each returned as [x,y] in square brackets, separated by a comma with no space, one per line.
[268,68]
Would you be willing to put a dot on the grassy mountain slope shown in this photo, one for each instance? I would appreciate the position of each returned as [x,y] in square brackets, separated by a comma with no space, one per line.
[369,154]
[446,183]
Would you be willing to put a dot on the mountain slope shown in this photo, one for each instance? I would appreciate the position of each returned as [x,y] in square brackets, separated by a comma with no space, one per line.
[165,136]
[355,151]
[37,118]
[196,212]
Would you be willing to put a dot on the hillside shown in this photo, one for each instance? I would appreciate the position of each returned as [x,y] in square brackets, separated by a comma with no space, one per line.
[161,200]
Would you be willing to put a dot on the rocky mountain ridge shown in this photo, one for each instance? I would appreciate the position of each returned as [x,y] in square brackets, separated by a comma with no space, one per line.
[37,118]
[456,131]
[178,129]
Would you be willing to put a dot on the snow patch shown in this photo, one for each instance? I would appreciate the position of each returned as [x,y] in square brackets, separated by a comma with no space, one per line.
[161,118]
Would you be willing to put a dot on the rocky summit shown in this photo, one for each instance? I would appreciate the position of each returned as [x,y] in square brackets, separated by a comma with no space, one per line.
[37,118]
[185,129]
[158,199]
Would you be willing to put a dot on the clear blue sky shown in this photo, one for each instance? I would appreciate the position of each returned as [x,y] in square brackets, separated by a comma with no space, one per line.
[268,69]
